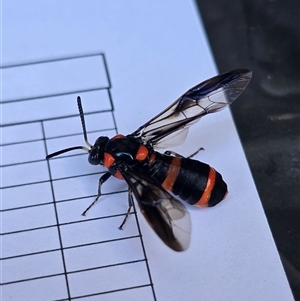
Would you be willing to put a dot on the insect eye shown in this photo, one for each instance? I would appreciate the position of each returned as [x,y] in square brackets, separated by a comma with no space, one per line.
[97,151]
[94,158]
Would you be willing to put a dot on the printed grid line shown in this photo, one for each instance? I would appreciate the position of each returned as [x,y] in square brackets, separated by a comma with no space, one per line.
[59,224]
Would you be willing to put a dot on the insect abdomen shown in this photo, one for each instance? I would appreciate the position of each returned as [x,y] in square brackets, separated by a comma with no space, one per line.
[193,181]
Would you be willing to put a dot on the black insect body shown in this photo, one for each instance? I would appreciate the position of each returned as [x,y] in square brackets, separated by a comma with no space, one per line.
[150,174]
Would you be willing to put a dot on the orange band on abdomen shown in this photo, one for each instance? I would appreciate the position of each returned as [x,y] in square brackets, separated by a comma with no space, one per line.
[203,201]
[172,173]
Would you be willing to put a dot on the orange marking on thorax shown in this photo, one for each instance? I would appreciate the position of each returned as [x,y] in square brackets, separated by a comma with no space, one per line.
[108,160]
[118,136]
[203,201]
[172,174]
[142,153]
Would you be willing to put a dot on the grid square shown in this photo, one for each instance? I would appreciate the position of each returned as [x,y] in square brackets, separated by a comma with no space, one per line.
[45,199]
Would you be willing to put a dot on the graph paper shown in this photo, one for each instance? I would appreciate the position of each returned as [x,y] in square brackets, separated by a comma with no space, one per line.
[53,246]
[128,61]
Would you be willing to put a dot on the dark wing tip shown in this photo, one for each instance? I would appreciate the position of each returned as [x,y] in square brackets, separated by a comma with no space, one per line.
[245,73]
[166,215]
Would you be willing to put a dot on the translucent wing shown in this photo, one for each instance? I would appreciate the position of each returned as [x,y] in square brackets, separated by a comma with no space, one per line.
[167,216]
[208,97]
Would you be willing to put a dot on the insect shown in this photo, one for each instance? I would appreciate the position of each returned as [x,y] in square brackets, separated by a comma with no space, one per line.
[156,178]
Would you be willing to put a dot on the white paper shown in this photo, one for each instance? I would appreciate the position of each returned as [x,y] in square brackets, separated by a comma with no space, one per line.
[153,52]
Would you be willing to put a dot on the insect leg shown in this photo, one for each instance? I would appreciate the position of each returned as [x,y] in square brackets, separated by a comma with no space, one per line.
[130,203]
[172,153]
[195,153]
[103,179]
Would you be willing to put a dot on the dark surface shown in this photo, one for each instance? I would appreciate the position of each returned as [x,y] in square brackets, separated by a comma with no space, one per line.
[263,36]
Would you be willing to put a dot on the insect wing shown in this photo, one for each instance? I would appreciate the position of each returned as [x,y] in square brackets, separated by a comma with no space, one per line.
[207,97]
[166,215]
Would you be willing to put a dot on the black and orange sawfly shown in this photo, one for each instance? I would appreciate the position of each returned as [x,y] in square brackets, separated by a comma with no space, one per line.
[154,178]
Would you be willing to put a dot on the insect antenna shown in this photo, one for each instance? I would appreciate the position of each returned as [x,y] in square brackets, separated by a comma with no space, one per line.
[67,150]
[82,121]
[84,135]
